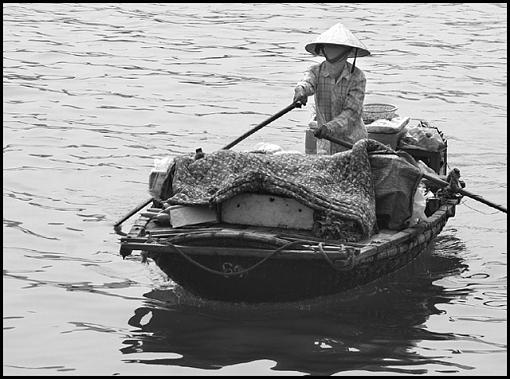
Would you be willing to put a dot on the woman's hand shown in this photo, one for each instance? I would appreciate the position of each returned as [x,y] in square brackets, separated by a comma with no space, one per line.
[299,95]
[319,132]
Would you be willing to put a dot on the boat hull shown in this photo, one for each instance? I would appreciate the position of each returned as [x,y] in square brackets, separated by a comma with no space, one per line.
[276,280]
[252,269]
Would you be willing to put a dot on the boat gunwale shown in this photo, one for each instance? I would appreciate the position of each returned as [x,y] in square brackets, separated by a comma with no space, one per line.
[381,245]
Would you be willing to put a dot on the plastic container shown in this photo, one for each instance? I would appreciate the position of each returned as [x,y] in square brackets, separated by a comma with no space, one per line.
[310,142]
[388,132]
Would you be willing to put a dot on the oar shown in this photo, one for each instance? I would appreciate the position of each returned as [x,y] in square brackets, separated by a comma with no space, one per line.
[117,227]
[287,109]
[262,124]
[433,179]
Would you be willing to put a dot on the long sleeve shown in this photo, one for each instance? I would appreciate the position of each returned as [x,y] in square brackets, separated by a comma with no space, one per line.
[310,79]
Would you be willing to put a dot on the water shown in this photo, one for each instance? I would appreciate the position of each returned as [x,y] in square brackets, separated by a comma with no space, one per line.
[94,92]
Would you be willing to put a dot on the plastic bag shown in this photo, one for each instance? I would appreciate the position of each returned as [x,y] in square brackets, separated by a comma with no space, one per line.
[419,205]
[159,175]
[288,152]
[265,148]
[395,180]
[422,138]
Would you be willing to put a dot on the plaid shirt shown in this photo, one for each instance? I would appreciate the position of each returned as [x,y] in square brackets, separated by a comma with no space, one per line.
[338,105]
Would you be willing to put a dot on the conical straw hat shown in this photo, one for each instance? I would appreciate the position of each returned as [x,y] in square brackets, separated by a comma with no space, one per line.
[339,35]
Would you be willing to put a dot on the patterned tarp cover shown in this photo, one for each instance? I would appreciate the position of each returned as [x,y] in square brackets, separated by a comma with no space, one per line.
[338,187]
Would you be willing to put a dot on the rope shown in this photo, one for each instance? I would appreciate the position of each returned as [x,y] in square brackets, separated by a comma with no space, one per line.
[354,62]
[325,256]
[321,250]
[237,272]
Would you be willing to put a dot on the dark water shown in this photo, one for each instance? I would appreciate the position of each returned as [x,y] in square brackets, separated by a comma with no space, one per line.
[94,92]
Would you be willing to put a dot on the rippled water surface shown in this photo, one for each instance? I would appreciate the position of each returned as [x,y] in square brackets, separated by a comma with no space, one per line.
[94,92]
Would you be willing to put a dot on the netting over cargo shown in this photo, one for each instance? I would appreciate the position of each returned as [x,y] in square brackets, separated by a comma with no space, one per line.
[339,188]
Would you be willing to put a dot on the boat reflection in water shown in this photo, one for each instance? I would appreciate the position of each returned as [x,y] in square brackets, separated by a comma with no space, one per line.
[372,328]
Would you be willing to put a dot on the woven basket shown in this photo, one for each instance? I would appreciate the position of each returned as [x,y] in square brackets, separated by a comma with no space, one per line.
[372,112]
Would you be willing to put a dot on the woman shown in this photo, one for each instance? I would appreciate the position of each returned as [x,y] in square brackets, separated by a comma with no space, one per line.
[339,88]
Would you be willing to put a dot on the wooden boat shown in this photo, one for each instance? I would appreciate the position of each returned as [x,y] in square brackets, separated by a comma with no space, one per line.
[247,264]
[256,263]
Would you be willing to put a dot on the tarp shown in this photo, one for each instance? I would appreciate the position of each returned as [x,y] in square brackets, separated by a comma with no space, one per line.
[395,182]
[338,187]
[350,191]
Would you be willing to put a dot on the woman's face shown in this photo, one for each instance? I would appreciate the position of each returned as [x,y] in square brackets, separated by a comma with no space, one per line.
[335,53]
